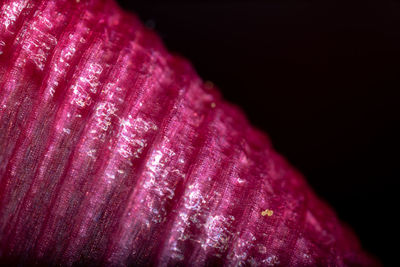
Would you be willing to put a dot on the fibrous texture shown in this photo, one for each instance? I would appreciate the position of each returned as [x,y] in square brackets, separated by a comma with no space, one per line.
[114,152]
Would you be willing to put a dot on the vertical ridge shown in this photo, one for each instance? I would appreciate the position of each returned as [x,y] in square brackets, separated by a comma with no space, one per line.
[34,205]
[15,143]
[161,179]
[138,130]
[200,193]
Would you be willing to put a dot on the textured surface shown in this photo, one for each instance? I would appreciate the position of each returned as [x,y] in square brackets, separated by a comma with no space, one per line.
[113,151]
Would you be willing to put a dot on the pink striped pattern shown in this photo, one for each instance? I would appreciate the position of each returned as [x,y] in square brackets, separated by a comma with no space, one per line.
[114,152]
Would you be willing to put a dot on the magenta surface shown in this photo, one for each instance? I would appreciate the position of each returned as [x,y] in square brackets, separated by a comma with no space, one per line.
[114,152]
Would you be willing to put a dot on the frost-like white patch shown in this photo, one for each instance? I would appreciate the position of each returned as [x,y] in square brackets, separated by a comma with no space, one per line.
[194,199]
[218,232]
[271,261]
[103,116]
[240,181]
[10,12]
[86,84]
[66,130]
[131,143]
[2,43]
[91,153]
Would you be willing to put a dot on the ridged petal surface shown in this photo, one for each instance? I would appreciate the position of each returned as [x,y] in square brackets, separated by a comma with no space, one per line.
[114,152]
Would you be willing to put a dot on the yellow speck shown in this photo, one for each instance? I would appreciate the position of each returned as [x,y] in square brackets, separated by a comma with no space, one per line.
[209,85]
[213,105]
[267,212]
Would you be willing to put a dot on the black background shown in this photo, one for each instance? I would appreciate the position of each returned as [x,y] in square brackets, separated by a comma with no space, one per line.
[322,79]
